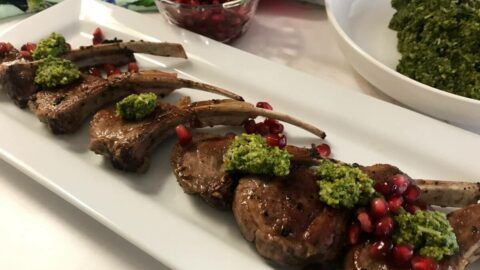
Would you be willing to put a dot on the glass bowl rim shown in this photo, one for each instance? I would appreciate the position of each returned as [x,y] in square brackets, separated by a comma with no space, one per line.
[229,4]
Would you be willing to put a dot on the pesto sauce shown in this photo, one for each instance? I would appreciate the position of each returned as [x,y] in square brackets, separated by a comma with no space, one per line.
[54,45]
[249,153]
[53,72]
[439,41]
[136,107]
[429,232]
[343,186]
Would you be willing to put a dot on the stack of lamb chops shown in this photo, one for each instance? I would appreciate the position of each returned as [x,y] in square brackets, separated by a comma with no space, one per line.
[281,215]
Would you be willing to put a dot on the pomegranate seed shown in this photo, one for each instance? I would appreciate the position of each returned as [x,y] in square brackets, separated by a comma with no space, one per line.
[111,69]
[399,183]
[424,263]
[402,254]
[274,126]
[353,234]
[324,150]
[94,71]
[4,47]
[383,188]
[133,67]
[412,208]
[250,126]
[262,129]
[97,36]
[264,105]
[25,54]
[380,249]
[282,142]
[395,203]
[378,208]
[29,47]
[365,221]
[384,226]
[183,135]
[273,140]
[412,193]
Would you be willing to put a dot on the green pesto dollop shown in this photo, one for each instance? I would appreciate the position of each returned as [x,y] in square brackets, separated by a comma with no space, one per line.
[54,45]
[343,186]
[249,153]
[136,107]
[429,232]
[53,72]
[439,41]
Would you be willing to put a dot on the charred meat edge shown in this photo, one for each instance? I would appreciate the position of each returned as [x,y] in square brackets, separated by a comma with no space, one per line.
[65,110]
[130,152]
[17,77]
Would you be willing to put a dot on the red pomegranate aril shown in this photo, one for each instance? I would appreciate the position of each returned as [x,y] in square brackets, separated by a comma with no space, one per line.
[262,129]
[25,54]
[274,126]
[282,142]
[94,72]
[399,183]
[365,221]
[273,140]
[412,193]
[324,150]
[384,227]
[383,188]
[4,47]
[250,126]
[111,69]
[395,203]
[353,234]
[133,67]
[378,208]
[29,47]
[97,36]
[380,249]
[411,208]
[424,263]
[402,254]
[264,105]
[183,135]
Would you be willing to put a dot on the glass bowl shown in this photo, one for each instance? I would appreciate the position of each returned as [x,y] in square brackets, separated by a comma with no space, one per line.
[223,21]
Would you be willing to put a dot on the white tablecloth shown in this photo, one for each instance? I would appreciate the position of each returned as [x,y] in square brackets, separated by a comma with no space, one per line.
[38,230]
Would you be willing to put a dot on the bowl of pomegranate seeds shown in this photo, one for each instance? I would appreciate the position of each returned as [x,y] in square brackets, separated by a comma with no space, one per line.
[222,20]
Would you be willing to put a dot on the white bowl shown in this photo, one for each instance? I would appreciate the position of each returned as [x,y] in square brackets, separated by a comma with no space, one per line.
[370,46]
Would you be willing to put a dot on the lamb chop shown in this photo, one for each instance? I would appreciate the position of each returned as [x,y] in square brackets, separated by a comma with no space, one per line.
[199,168]
[65,110]
[17,76]
[466,225]
[286,220]
[129,144]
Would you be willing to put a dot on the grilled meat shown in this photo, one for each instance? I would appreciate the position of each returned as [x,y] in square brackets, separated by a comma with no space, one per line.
[285,219]
[200,171]
[466,225]
[65,110]
[129,144]
[17,77]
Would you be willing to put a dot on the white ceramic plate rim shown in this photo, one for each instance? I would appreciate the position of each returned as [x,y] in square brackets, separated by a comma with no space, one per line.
[346,37]
[360,127]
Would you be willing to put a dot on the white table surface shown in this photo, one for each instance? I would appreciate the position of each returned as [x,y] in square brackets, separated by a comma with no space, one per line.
[38,230]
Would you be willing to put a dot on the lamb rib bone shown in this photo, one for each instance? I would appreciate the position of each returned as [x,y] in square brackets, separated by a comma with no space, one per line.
[65,110]
[129,144]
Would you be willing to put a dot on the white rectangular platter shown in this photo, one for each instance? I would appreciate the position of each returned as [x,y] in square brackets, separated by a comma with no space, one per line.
[151,210]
